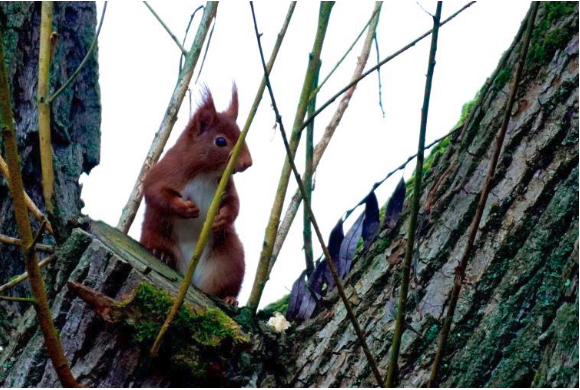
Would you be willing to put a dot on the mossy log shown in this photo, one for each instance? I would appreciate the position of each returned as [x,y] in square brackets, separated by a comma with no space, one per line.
[110,297]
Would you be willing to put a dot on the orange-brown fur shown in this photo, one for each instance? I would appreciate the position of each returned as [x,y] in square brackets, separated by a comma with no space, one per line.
[172,219]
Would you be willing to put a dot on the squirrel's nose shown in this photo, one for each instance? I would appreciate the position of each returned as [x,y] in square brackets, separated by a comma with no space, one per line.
[244,163]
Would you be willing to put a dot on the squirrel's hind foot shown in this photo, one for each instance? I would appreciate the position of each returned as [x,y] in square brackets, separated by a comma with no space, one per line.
[231,301]
[165,257]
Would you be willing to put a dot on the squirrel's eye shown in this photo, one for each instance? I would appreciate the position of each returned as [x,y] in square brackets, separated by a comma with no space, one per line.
[221,142]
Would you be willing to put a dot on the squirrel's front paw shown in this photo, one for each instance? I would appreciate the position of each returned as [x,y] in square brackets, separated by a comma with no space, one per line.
[164,256]
[220,221]
[185,208]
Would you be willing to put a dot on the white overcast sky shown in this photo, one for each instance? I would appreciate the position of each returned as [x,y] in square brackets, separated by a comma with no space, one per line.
[138,65]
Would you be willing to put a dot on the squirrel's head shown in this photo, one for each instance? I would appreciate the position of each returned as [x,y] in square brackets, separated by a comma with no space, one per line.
[214,134]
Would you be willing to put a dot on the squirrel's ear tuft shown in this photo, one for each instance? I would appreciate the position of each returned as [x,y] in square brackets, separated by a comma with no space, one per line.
[232,110]
[206,113]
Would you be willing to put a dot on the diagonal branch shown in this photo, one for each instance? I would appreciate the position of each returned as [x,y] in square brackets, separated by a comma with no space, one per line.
[15,241]
[371,70]
[43,104]
[214,207]
[321,146]
[406,266]
[358,331]
[376,11]
[169,119]
[276,211]
[166,28]
[473,227]
[29,203]
[22,277]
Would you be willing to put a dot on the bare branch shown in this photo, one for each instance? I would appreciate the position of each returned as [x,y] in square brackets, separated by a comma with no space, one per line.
[22,277]
[166,28]
[169,119]
[15,241]
[371,70]
[214,207]
[17,299]
[358,331]
[406,266]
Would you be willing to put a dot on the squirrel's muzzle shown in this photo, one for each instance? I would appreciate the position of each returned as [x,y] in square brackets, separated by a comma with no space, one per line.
[244,160]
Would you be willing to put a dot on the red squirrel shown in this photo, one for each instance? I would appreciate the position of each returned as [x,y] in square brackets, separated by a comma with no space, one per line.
[178,191]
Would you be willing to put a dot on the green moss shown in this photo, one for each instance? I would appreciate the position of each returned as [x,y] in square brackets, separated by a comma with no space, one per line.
[544,44]
[503,76]
[195,338]
[432,333]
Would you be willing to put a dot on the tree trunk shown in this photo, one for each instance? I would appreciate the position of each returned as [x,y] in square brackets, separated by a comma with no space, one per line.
[517,319]
[75,114]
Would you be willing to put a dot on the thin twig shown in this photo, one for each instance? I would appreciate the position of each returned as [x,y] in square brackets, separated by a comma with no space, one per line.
[375,12]
[206,50]
[358,331]
[36,238]
[169,119]
[17,299]
[84,61]
[406,265]
[166,28]
[45,143]
[379,77]
[424,10]
[308,173]
[274,220]
[402,166]
[214,207]
[51,338]
[473,227]
[22,277]
[29,203]
[17,242]
[185,36]
[371,70]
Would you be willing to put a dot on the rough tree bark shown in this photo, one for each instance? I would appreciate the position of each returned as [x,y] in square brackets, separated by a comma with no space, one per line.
[517,319]
[75,117]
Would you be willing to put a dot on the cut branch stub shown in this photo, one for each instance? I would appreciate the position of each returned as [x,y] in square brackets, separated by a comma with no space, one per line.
[107,308]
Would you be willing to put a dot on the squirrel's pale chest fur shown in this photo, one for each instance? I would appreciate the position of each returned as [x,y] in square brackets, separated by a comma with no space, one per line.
[200,190]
